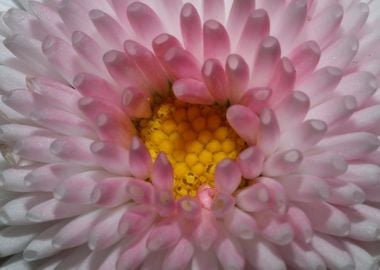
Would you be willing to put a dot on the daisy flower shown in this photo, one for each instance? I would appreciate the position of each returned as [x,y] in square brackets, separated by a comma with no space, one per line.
[198,135]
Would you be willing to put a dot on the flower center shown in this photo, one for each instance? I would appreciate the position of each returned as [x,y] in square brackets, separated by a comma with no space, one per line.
[194,138]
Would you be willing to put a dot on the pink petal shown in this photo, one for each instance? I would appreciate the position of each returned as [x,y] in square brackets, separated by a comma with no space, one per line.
[191,29]
[292,110]
[109,29]
[251,162]
[162,173]
[216,42]
[227,176]
[180,256]
[332,252]
[139,159]
[305,188]
[86,47]
[305,57]
[253,198]
[269,133]
[192,91]
[144,21]
[136,103]
[301,224]
[282,163]
[267,56]
[240,224]
[111,157]
[111,192]
[244,122]
[149,65]
[255,29]
[237,72]
[326,218]
[163,235]
[215,79]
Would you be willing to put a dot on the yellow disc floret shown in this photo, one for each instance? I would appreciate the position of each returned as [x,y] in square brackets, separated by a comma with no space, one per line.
[195,139]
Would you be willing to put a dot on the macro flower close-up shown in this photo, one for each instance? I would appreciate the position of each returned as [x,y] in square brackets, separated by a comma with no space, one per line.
[189,135]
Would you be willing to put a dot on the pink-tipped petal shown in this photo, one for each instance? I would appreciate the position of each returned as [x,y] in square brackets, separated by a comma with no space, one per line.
[305,57]
[136,220]
[222,204]
[149,65]
[269,133]
[111,157]
[240,224]
[216,42]
[268,54]
[94,86]
[205,233]
[237,71]
[75,149]
[304,136]
[180,256]
[326,218]
[191,29]
[320,83]
[251,162]
[192,91]
[255,29]
[136,103]
[244,122]
[139,159]
[275,229]
[227,176]
[68,191]
[87,48]
[189,208]
[283,80]
[123,69]
[282,163]
[213,9]
[144,21]
[111,31]
[215,79]
[305,188]
[325,164]
[291,21]
[256,99]
[301,224]
[162,173]
[140,191]
[179,63]
[253,198]
[165,202]
[111,191]
[277,199]
[164,235]
[292,110]
[239,12]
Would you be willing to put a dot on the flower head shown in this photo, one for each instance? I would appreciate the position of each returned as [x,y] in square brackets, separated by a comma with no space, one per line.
[203,135]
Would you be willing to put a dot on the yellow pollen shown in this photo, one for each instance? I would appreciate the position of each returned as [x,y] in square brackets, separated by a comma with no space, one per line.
[195,139]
